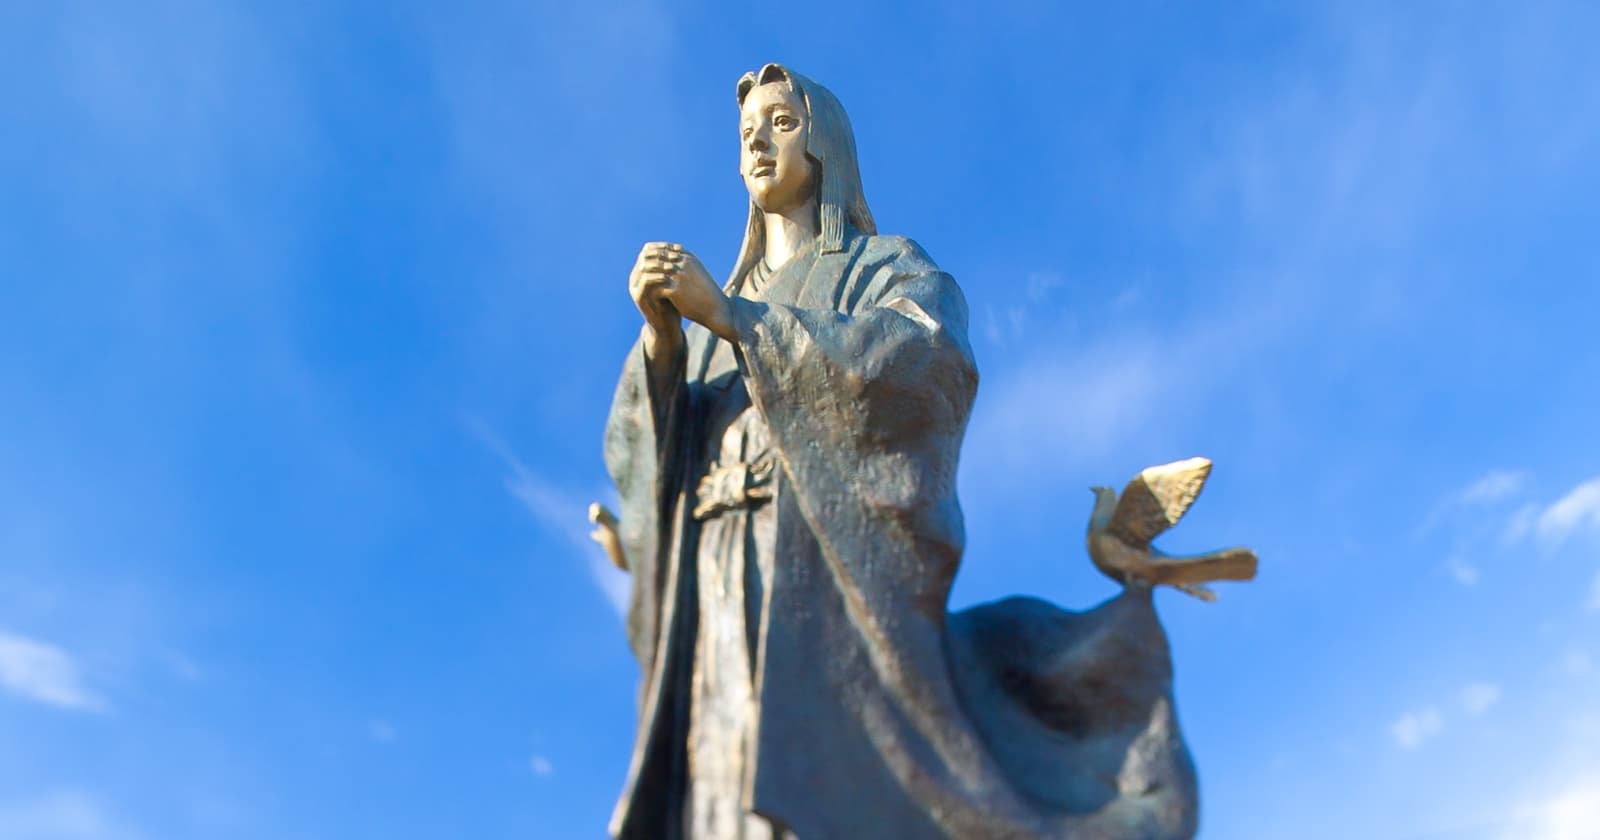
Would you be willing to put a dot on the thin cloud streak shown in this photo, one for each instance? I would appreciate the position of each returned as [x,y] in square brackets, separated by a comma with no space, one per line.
[1477,698]
[541,766]
[562,512]
[1413,728]
[1305,194]
[1520,523]
[1060,411]
[1576,663]
[1464,573]
[62,815]
[1494,486]
[1576,512]
[43,673]
[1573,813]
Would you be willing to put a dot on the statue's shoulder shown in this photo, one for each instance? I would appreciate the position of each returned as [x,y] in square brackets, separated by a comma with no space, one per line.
[900,251]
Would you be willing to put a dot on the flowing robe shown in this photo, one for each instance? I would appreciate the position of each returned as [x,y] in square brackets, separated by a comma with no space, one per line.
[858,363]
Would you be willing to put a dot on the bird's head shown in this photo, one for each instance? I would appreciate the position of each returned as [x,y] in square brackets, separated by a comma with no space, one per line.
[1105,502]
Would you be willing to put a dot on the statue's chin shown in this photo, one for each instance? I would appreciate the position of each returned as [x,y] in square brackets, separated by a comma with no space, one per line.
[766,202]
[771,195]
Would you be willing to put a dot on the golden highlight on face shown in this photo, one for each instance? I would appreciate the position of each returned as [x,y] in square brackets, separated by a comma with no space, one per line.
[772,148]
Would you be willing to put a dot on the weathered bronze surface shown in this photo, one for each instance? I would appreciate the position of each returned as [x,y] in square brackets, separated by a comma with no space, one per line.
[786,465]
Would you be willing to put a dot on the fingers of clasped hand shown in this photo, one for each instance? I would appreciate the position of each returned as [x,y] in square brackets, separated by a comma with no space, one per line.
[658,267]
[654,274]
[668,277]
[733,486]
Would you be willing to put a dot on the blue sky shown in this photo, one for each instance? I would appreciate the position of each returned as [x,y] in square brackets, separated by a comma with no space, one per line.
[310,315]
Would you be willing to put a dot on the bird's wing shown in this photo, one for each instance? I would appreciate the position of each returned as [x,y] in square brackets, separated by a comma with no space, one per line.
[1156,499]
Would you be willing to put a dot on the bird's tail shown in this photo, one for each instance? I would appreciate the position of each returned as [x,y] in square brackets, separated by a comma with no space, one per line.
[1227,564]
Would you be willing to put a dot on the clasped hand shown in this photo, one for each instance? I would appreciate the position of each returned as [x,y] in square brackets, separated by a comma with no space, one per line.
[668,281]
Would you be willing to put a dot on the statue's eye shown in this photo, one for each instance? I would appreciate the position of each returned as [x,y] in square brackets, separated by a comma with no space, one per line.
[785,121]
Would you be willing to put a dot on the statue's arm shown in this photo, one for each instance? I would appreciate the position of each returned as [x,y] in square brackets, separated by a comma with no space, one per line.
[897,359]
[641,457]
[867,407]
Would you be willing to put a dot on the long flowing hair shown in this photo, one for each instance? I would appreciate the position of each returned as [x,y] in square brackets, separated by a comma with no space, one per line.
[831,145]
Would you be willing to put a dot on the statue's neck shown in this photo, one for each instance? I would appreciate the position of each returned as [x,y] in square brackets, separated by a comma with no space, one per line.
[789,231]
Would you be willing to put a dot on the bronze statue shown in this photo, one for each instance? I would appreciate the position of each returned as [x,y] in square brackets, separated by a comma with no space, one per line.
[787,471]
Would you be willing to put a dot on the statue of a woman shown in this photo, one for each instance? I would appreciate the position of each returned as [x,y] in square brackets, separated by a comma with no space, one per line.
[787,471]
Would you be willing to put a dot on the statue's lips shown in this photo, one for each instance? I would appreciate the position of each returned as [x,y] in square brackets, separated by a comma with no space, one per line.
[764,170]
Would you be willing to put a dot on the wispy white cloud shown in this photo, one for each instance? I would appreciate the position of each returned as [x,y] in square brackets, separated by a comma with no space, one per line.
[1498,485]
[62,815]
[43,673]
[1005,326]
[566,514]
[1494,486]
[1572,813]
[1521,523]
[182,666]
[1415,727]
[1576,662]
[1059,411]
[381,731]
[1479,697]
[1465,573]
[1577,511]
[562,512]
[541,766]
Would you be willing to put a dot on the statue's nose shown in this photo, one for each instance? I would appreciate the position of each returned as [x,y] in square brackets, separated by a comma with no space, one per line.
[758,141]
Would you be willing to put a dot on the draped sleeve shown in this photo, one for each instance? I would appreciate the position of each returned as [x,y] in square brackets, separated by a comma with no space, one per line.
[867,403]
[868,406]
[644,459]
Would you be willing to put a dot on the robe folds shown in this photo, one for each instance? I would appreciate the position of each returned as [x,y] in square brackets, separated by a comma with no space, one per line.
[870,718]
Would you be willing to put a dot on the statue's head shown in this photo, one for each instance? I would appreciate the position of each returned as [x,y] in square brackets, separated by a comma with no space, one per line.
[795,145]
[778,171]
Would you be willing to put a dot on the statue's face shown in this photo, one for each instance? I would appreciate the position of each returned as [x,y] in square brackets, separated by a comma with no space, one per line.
[772,149]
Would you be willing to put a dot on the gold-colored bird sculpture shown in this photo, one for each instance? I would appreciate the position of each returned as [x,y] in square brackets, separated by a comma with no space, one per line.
[1121,528]
[605,533]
